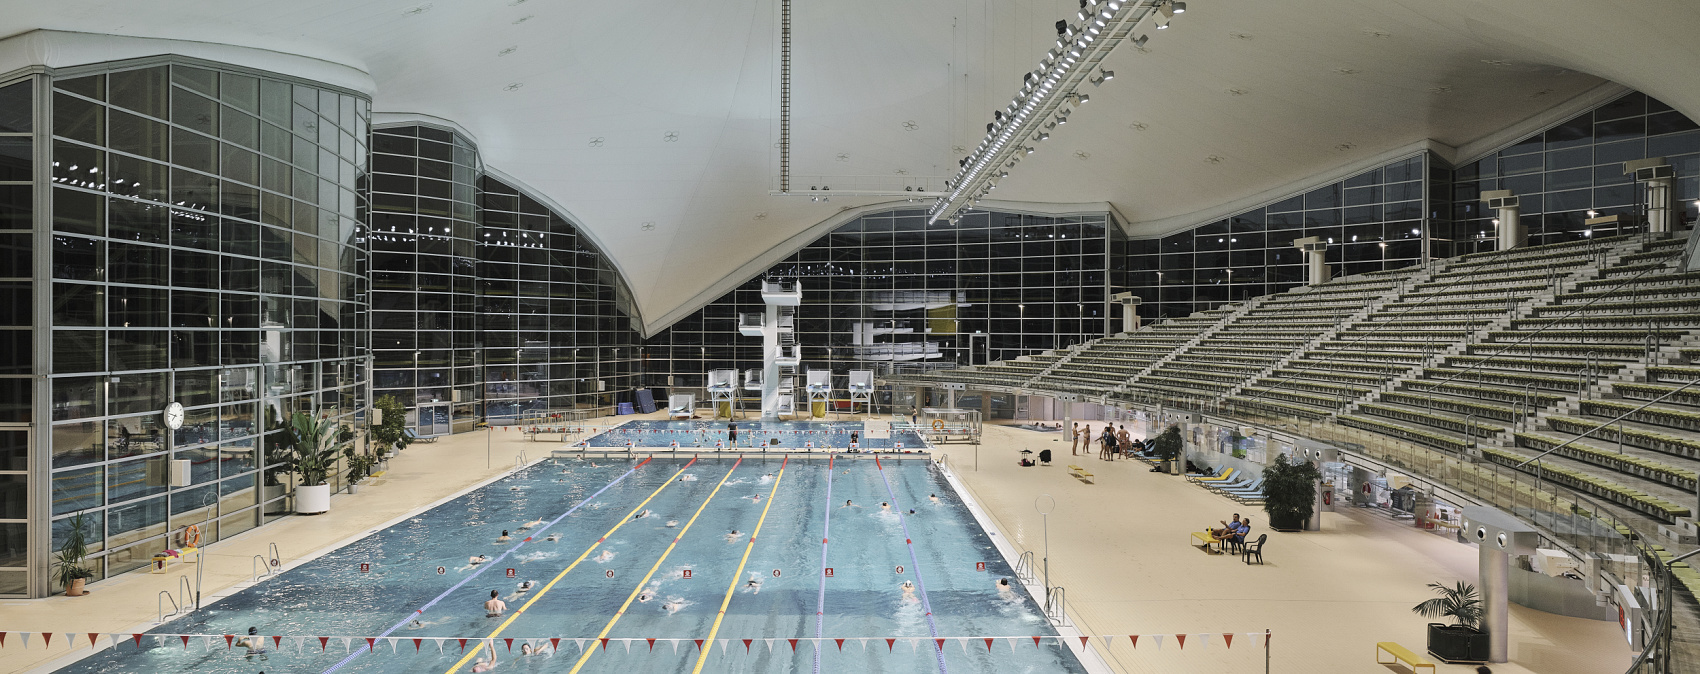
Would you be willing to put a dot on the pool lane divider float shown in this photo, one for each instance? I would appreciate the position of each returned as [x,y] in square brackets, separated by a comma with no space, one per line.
[603,637]
[932,625]
[551,584]
[301,645]
[486,566]
[739,574]
[825,531]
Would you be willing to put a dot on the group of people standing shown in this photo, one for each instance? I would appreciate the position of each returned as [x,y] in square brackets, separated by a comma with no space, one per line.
[1112,440]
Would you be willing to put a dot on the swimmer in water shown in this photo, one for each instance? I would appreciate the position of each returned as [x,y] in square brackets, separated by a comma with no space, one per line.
[672,523]
[525,649]
[641,515]
[255,643]
[530,525]
[885,506]
[909,591]
[485,665]
[754,584]
[494,607]
[605,556]
[475,561]
[911,511]
[756,498]
[553,538]
[1004,589]
[527,585]
[504,537]
[734,536]
[933,497]
[673,605]
[849,504]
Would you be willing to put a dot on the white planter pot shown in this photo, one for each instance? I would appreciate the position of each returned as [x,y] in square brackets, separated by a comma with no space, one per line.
[354,487]
[312,500]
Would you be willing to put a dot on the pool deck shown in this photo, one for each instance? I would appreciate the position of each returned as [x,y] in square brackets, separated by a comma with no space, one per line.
[1116,545]
[1121,548]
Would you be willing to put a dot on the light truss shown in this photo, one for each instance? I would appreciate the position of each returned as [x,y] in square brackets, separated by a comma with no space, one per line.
[1049,93]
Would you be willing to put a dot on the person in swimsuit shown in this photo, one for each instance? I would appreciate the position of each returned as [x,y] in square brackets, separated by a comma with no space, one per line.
[504,537]
[255,643]
[485,665]
[1074,440]
[494,607]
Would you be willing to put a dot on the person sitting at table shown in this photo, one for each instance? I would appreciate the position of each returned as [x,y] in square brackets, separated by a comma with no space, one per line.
[1228,530]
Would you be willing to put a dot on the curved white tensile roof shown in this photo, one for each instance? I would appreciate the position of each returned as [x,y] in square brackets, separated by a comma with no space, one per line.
[665,112]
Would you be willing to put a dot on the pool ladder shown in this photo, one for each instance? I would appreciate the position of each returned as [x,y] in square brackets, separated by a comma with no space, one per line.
[1024,568]
[183,590]
[267,567]
[520,460]
[1056,607]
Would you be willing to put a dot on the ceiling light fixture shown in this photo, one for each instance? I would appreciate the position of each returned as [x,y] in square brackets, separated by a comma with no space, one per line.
[1036,108]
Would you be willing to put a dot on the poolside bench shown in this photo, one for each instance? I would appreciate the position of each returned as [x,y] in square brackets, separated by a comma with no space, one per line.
[1401,654]
[1081,473]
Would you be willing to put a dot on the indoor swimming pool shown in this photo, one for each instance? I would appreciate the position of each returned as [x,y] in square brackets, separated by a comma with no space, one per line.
[789,434]
[880,563]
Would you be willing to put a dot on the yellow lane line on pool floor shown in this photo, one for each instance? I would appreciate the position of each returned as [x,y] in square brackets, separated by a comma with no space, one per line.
[505,623]
[708,643]
[590,649]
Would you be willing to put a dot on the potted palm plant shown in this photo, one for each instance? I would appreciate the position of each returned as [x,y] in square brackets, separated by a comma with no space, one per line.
[68,562]
[392,433]
[313,457]
[359,466]
[1167,445]
[1461,641]
[1289,493]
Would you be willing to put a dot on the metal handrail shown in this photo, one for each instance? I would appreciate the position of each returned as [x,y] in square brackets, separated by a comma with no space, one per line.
[1056,606]
[1619,418]
[266,568]
[164,596]
[1024,567]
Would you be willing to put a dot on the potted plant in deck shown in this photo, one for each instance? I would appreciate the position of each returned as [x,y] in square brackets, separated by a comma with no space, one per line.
[359,466]
[392,433]
[1289,493]
[1461,641]
[313,456]
[68,562]
[1167,445]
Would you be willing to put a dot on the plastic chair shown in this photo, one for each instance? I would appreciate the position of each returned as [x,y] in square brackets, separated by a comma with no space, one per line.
[1255,548]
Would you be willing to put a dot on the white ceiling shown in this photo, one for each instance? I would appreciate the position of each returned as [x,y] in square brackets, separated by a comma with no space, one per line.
[1275,91]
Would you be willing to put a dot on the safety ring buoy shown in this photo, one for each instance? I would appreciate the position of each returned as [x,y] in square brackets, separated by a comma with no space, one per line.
[938,424]
[190,537]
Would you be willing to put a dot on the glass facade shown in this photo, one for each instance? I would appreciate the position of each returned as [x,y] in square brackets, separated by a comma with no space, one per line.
[890,292]
[1563,172]
[553,331]
[424,220]
[204,233]
[1416,208]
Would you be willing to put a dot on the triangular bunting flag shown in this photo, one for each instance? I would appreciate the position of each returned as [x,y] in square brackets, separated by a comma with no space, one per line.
[1036,641]
[888,644]
[988,644]
[840,645]
[555,644]
[393,641]
[347,644]
[723,643]
[939,643]
[793,645]
[580,644]
[118,640]
[1135,639]
[1181,639]
[675,643]
[92,637]
[207,642]
[372,645]
[3,640]
[416,643]
[651,644]
[185,638]
[510,643]
[439,645]
[26,637]
[698,642]
[604,644]
[1157,639]
[627,642]
[1083,641]
[747,645]
[1229,638]
[769,645]
[277,642]
[47,640]
[914,642]
[963,642]
[1107,639]
[1204,641]
[462,643]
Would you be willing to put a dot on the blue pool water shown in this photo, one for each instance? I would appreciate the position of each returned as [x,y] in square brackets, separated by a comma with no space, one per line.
[864,598]
[790,434]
